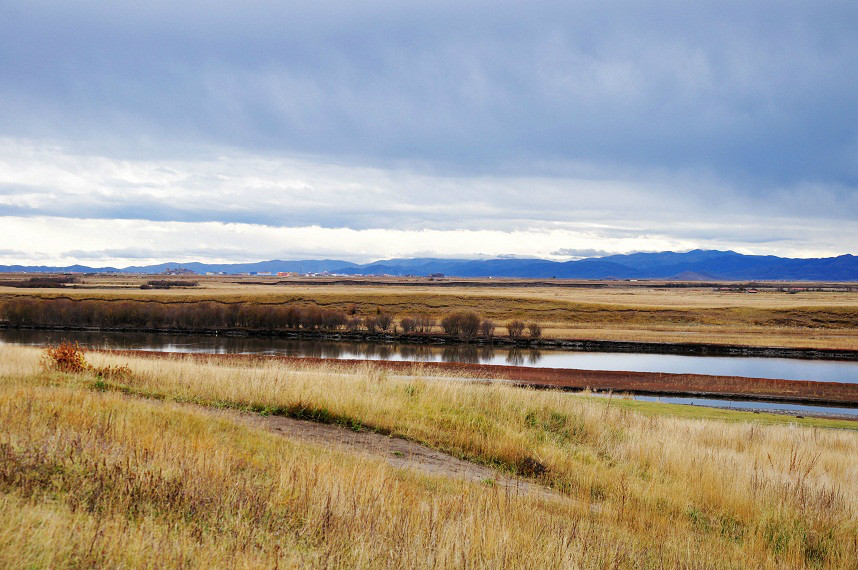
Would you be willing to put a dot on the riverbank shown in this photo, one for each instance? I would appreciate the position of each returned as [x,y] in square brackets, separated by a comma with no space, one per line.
[649,383]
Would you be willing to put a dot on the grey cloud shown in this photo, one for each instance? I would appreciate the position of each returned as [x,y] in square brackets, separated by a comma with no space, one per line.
[761,93]
[148,253]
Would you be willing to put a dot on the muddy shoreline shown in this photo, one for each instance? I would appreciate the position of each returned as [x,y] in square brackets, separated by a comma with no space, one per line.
[583,345]
[645,383]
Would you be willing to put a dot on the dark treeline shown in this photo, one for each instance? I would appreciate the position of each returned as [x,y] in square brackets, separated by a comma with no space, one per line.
[207,315]
[168,283]
[41,282]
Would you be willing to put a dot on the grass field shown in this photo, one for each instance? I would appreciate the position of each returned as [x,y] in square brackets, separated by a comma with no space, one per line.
[97,471]
[625,311]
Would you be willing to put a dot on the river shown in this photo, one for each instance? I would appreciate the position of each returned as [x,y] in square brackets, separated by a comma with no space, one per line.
[751,367]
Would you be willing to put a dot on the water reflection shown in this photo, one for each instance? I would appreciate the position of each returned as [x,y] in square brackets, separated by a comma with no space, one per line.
[469,354]
[533,356]
[752,405]
[792,369]
[515,357]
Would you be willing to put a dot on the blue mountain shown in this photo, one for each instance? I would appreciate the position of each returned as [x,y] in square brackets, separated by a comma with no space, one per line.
[696,264]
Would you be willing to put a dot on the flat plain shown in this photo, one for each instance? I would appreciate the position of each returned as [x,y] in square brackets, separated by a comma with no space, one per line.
[800,315]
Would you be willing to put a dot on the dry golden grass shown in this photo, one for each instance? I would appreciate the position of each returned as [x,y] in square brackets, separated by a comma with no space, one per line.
[670,492]
[94,480]
[813,319]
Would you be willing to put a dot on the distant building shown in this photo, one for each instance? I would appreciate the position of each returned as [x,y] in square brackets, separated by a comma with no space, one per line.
[178,271]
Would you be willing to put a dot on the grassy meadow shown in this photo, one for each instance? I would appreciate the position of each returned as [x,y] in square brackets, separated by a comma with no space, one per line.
[639,311]
[130,469]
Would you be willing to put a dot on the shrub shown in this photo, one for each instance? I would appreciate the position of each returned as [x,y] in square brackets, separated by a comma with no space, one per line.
[384,321]
[515,328]
[168,283]
[70,358]
[408,324]
[42,282]
[469,325]
[425,323]
[450,324]
[66,357]
[534,330]
[463,324]
[371,324]
[487,328]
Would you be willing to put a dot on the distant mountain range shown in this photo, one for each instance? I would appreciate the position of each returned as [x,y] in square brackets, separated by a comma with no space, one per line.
[693,265]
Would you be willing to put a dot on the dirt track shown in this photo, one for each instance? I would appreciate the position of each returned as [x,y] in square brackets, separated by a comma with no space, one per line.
[396,451]
[656,383]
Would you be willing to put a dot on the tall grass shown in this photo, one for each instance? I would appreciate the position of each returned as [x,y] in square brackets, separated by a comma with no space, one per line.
[667,492]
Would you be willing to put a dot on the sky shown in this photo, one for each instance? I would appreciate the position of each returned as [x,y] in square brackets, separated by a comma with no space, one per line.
[146,132]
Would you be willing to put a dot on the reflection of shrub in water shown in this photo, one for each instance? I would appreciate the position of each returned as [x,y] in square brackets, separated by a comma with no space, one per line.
[534,356]
[384,351]
[416,352]
[331,350]
[312,349]
[467,353]
[487,354]
[515,357]
[381,351]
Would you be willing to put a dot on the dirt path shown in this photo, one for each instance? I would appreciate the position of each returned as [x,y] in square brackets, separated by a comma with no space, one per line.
[395,451]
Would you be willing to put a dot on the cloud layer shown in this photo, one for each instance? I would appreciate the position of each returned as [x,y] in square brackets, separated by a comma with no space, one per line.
[699,124]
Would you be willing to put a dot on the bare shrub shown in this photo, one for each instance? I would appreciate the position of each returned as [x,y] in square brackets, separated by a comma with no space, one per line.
[425,323]
[371,324]
[534,329]
[463,324]
[515,328]
[469,325]
[293,317]
[450,324]
[487,328]
[332,320]
[384,321]
[408,324]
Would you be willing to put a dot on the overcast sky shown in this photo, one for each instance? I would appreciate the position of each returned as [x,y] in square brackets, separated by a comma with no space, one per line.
[142,132]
